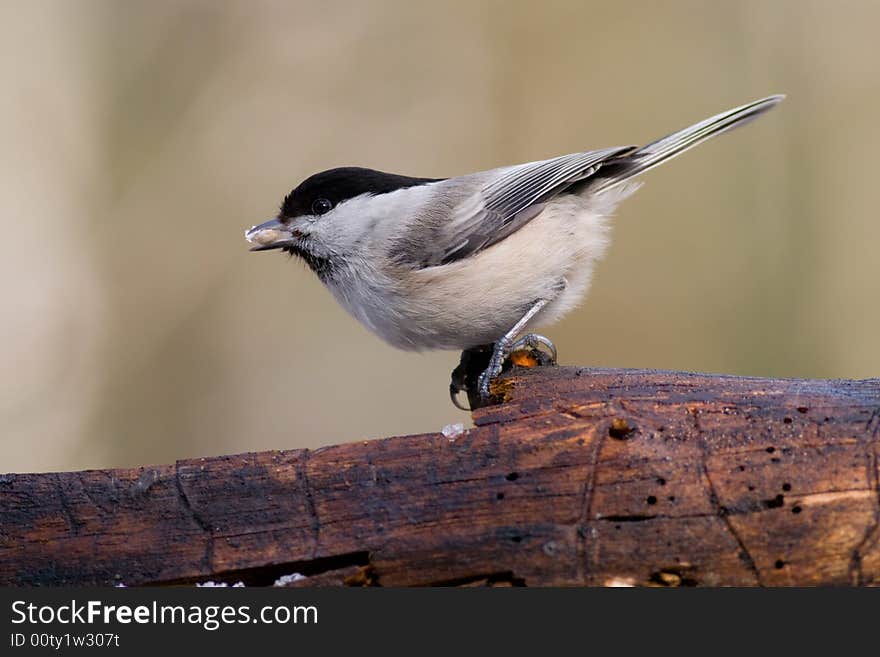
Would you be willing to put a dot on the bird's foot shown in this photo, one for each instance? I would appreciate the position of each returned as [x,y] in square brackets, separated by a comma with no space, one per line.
[535,341]
[503,349]
[478,366]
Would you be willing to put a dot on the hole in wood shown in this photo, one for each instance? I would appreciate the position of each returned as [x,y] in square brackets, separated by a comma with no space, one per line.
[620,429]
[775,503]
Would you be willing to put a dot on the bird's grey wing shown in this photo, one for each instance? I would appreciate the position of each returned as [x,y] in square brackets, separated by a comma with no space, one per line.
[504,203]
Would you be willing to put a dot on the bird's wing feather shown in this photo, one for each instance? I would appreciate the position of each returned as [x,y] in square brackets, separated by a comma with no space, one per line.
[505,203]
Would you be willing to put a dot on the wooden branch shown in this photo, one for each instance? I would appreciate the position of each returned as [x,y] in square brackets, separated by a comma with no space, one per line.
[595,477]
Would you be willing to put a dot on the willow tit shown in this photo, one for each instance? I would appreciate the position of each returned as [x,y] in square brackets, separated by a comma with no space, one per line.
[456,263]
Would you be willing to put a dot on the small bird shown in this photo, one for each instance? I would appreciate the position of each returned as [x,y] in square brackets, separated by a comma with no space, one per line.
[458,263]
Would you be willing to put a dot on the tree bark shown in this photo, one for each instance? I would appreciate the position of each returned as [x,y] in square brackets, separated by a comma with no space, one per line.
[579,477]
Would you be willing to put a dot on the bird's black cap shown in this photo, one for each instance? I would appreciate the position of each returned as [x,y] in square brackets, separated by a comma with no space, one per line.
[337,185]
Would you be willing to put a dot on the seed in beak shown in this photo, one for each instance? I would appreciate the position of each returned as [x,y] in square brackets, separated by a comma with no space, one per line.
[264,236]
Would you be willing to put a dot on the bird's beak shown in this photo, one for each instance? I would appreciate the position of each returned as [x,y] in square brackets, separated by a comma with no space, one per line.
[271,235]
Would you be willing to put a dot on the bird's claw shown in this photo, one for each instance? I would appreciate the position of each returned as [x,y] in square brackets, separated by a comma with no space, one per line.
[503,349]
[535,341]
[454,390]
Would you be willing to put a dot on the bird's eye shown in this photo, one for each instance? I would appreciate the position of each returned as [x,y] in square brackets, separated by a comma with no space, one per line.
[321,206]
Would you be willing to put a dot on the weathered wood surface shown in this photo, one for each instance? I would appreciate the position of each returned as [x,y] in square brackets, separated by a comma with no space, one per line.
[593,477]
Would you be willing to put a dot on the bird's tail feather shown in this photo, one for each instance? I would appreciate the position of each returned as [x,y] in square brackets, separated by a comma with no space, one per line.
[619,170]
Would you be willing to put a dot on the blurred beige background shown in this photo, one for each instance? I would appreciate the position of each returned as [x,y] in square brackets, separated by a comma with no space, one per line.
[141,138]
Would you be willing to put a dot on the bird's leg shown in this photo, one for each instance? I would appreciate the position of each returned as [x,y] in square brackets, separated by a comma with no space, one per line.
[503,347]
